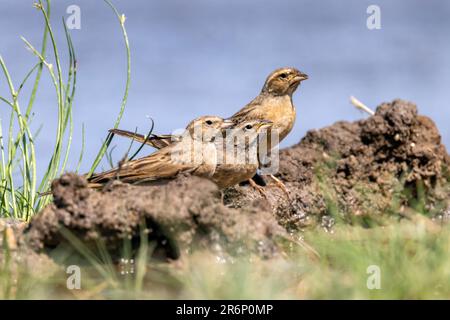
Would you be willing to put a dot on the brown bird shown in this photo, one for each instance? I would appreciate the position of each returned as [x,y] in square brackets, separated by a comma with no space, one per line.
[194,153]
[274,103]
[238,160]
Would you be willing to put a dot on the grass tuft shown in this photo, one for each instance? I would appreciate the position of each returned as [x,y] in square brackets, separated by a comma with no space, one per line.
[20,192]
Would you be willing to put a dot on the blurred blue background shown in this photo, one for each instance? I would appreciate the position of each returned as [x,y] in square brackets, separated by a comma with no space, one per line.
[197,57]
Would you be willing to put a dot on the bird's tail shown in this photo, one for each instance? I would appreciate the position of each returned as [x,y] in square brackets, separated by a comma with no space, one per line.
[156,141]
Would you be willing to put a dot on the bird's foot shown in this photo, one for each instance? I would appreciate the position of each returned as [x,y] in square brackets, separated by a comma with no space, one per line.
[258,188]
[281,185]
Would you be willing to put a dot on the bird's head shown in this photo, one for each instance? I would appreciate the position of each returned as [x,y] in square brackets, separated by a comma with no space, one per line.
[283,81]
[247,132]
[206,128]
[253,125]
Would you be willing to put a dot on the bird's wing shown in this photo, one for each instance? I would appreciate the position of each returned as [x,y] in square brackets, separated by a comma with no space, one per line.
[158,165]
[156,141]
[250,111]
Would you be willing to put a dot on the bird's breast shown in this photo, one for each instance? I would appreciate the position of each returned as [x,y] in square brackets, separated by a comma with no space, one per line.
[209,158]
[281,112]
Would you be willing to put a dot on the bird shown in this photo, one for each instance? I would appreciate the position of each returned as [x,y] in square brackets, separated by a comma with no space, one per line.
[237,154]
[274,103]
[195,153]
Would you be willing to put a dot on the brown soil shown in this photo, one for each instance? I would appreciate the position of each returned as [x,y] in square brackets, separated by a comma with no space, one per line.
[360,171]
[357,172]
[172,214]
[17,257]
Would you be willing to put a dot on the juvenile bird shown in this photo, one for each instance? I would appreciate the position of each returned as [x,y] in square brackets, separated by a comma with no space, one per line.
[238,160]
[194,153]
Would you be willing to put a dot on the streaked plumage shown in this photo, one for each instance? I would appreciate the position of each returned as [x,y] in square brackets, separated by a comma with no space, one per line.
[195,153]
[274,103]
[241,142]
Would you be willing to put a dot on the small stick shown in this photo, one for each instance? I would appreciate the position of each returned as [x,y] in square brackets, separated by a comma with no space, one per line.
[361,106]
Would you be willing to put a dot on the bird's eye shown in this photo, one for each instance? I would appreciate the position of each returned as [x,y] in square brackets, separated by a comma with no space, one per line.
[283,75]
[208,122]
[248,127]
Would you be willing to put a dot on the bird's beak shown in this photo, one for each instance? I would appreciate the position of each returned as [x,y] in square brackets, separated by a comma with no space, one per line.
[265,124]
[300,77]
[227,123]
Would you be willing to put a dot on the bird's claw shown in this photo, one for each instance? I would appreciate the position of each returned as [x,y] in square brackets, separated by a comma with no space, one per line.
[258,188]
[281,185]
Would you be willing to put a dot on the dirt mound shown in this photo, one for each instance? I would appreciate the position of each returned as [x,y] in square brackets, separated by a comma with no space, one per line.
[358,172]
[16,257]
[172,214]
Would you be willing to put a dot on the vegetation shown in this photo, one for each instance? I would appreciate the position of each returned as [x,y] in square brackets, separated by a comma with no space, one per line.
[20,191]
[412,258]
